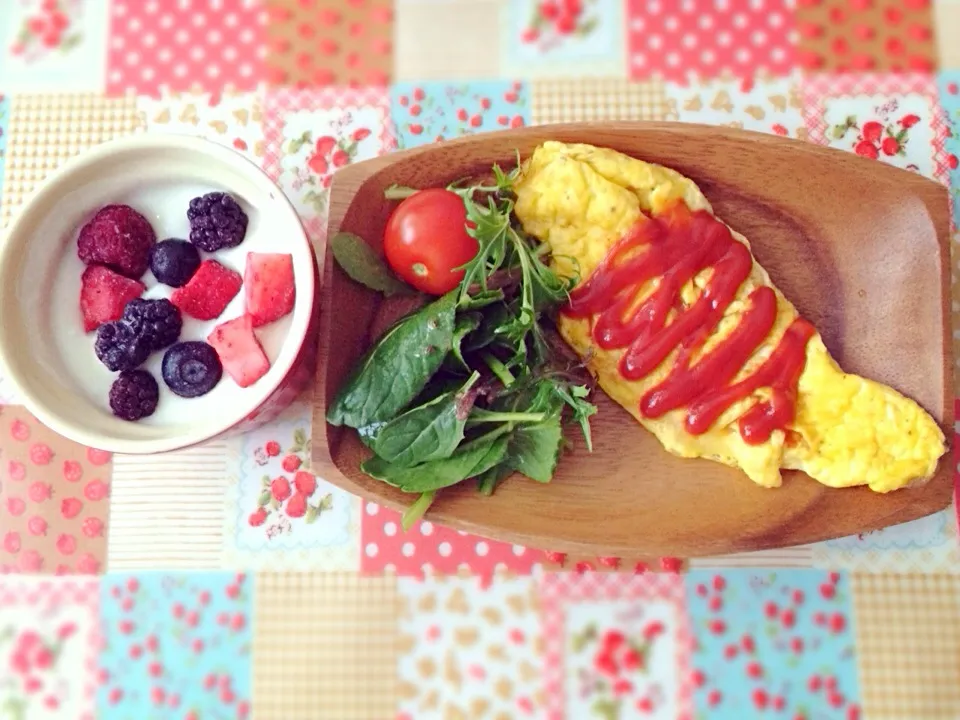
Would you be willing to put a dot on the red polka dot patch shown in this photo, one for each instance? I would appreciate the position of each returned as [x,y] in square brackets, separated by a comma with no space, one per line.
[675,40]
[434,548]
[205,45]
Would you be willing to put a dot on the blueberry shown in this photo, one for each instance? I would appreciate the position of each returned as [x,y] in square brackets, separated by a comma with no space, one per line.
[191,369]
[173,262]
[120,347]
[134,395]
[158,322]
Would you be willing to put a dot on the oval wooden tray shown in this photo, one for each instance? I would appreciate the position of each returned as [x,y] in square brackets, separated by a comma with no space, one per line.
[860,247]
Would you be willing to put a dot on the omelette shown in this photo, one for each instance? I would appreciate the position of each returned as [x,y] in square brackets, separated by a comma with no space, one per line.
[680,325]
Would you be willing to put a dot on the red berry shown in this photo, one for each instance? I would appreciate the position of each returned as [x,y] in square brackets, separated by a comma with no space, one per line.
[66,544]
[70,507]
[207,294]
[476,121]
[613,639]
[717,627]
[104,294]
[462,115]
[828,591]
[837,623]
[622,687]
[272,448]
[645,705]
[529,35]
[797,645]
[323,146]
[485,103]
[257,517]
[834,577]
[788,618]
[557,557]
[280,488]
[37,525]
[640,568]
[414,110]
[340,158]
[653,629]
[814,683]
[11,542]
[866,149]
[714,697]
[416,129]
[770,610]
[779,129]
[297,506]
[418,94]
[583,566]
[952,161]
[830,684]
[872,131]
[719,583]
[604,663]
[908,121]
[72,471]
[632,660]
[702,590]
[16,506]
[716,603]
[565,24]
[697,678]
[503,120]
[118,237]
[667,564]
[39,492]
[819,618]
[953,88]
[517,122]
[730,652]
[360,134]
[291,463]
[760,698]
[853,712]
[747,642]
[549,9]
[890,146]
[836,700]
[511,96]
[610,562]
[798,597]
[779,703]
[754,670]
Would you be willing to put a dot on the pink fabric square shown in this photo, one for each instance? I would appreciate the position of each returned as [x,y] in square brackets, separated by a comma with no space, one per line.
[178,46]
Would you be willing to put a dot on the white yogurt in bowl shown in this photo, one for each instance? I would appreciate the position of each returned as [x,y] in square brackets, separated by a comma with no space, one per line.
[43,347]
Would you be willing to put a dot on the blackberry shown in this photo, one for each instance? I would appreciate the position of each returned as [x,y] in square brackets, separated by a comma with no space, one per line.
[134,395]
[216,222]
[158,322]
[191,369]
[173,262]
[120,347]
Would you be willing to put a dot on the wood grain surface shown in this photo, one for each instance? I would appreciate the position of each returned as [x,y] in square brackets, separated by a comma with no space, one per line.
[861,248]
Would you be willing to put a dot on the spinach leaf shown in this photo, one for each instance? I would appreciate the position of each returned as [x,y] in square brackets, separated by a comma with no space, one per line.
[398,367]
[488,481]
[466,324]
[470,459]
[428,432]
[417,510]
[364,266]
[534,449]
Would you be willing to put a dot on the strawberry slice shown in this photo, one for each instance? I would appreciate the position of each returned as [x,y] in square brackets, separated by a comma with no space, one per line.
[239,350]
[104,294]
[268,286]
[208,292]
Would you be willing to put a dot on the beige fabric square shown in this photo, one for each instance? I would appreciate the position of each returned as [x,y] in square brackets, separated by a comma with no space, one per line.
[583,99]
[946,19]
[325,646]
[47,129]
[908,645]
[456,40]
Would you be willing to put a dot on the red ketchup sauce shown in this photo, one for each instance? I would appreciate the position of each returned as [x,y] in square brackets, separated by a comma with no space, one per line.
[675,246]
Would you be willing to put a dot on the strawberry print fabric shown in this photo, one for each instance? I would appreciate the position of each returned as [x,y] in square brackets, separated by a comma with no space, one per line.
[177,45]
[617,646]
[773,642]
[687,39]
[54,499]
[176,646]
[48,648]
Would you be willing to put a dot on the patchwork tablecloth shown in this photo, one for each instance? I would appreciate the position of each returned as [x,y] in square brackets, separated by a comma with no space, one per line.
[141,587]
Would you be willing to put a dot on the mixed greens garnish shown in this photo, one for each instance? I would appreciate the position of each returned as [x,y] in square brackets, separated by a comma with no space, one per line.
[475,384]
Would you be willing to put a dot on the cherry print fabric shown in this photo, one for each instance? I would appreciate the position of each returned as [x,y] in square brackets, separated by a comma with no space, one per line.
[54,500]
[203,45]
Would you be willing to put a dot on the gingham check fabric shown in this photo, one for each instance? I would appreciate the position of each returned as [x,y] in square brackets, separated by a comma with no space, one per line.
[325,647]
[579,100]
[45,130]
[908,645]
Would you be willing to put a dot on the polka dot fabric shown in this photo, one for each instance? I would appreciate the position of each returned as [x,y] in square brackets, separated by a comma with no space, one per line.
[179,45]
[429,547]
[709,38]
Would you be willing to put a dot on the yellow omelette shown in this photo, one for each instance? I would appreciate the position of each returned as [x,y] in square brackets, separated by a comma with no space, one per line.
[581,200]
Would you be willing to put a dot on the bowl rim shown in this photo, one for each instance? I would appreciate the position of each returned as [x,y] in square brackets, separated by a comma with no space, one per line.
[20,232]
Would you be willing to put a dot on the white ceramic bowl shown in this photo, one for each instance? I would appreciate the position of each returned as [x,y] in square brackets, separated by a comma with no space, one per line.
[46,355]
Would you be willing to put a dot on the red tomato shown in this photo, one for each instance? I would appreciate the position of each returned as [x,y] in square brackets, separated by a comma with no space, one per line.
[426,239]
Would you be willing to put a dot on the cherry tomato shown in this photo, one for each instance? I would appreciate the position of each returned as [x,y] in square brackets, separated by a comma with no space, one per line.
[426,239]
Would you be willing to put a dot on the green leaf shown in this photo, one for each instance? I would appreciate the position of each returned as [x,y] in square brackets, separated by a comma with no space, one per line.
[465,325]
[535,449]
[274,503]
[397,367]
[481,299]
[327,502]
[606,708]
[417,510]
[265,497]
[265,481]
[470,459]
[428,432]
[364,266]
[70,42]
[487,482]
[311,516]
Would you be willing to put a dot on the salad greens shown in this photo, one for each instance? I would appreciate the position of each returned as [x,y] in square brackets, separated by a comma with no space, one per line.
[469,386]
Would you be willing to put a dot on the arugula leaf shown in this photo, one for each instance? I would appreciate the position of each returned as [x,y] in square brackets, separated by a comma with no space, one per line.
[398,367]
[575,398]
[363,265]
[470,459]
[535,449]
[481,299]
[428,432]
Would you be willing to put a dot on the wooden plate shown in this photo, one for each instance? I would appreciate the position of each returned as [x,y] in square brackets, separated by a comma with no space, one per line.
[860,247]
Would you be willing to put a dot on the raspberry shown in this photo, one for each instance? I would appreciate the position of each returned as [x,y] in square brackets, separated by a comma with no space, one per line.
[173,262]
[119,347]
[191,369]
[118,237]
[216,222]
[291,463]
[272,448]
[158,322]
[134,395]
[297,506]
[305,483]
[280,488]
